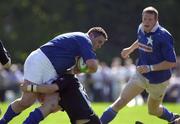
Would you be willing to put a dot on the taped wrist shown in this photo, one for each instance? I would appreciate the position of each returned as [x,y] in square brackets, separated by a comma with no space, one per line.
[150,67]
[32,88]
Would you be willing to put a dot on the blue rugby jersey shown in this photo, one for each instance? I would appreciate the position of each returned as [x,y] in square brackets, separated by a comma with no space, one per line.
[63,49]
[155,47]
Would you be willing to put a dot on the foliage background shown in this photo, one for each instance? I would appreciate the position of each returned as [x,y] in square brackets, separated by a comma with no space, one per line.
[27,24]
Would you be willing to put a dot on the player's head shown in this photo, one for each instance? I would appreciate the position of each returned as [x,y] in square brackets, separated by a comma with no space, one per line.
[98,37]
[149,18]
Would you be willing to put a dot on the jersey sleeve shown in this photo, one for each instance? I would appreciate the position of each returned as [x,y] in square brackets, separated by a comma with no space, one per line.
[4,55]
[168,48]
[86,49]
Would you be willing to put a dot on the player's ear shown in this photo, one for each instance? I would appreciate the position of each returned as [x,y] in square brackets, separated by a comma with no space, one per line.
[91,35]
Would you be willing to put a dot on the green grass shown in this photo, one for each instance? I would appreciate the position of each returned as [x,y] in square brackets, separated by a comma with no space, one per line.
[125,116]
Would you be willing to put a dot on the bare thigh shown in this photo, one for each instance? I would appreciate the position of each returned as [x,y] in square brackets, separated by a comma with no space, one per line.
[129,92]
[50,104]
[26,100]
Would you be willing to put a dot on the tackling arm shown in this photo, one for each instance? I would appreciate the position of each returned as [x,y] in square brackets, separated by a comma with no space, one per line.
[51,88]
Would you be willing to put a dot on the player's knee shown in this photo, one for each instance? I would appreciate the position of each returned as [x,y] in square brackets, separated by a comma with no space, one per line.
[52,106]
[94,120]
[153,112]
[25,103]
[55,108]
[91,120]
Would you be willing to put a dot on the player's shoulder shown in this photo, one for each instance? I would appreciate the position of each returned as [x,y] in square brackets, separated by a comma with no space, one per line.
[164,34]
[81,35]
[77,35]
[163,31]
[83,38]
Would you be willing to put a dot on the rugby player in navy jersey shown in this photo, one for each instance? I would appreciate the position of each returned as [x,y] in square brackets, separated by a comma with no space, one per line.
[156,59]
[5,59]
[49,62]
[4,56]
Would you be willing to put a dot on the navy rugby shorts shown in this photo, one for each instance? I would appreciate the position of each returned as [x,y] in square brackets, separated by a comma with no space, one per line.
[73,98]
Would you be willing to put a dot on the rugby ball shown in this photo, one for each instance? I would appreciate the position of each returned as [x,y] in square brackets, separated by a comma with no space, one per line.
[82,65]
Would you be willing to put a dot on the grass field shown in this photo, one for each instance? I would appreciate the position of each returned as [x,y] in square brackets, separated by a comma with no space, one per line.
[126,116]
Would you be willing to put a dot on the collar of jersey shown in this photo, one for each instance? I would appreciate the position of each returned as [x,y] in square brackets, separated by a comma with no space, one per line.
[153,29]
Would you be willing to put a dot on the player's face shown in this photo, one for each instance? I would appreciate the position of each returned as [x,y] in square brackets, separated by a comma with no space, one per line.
[98,42]
[148,21]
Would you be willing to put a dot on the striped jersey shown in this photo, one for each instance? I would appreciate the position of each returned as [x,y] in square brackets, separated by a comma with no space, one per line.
[155,47]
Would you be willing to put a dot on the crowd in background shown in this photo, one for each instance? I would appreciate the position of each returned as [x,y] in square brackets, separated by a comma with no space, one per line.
[103,86]
[9,82]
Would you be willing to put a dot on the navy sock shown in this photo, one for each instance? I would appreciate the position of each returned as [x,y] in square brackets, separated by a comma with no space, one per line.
[167,115]
[108,116]
[34,117]
[8,116]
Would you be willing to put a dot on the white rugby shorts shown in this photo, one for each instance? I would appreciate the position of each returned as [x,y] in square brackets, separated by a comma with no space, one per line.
[38,69]
[156,91]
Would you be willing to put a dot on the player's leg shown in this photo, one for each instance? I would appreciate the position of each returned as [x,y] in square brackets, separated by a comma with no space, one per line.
[80,112]
[16,107]
[49,105]
[42,72]
[176,121]
[155,107]
[131,90]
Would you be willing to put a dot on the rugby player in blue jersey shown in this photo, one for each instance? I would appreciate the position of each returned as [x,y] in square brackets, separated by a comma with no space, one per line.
[4,56]
[5,59]
[50,61]
[156,59]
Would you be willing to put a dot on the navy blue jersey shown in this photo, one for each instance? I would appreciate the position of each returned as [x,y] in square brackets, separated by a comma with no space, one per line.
[155,47]
[63,49]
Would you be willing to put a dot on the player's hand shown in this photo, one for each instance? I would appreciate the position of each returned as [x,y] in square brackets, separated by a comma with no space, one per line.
[143,69]
[23,86]
[125,53]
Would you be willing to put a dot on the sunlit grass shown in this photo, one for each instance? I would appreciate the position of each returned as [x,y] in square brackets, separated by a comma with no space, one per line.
[128,115]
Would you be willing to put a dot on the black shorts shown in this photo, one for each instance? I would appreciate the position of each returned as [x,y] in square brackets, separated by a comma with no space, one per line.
[73,99]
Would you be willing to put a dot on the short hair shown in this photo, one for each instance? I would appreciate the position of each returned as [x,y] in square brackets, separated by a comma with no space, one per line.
[97,31]
[151,10]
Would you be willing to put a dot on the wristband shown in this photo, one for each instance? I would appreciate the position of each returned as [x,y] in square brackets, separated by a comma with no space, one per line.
[32,88]
[29,88]
[151,67]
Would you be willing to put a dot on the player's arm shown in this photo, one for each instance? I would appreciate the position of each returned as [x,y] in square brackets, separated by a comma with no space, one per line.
[43,88]
[90,66]
[56,85]
[165,65]
[4,56]
[127,51]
